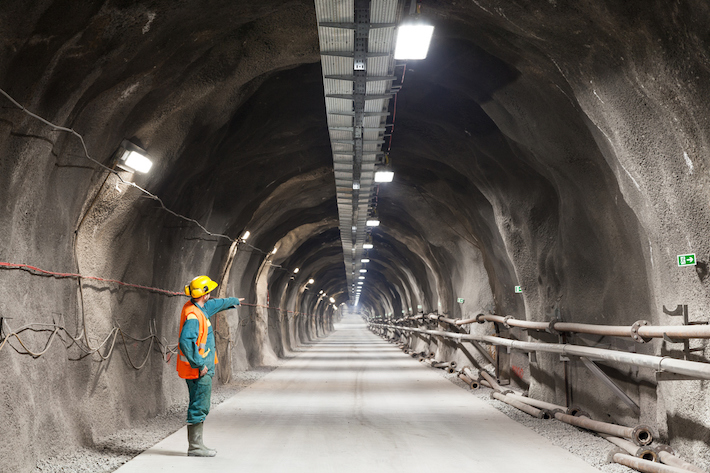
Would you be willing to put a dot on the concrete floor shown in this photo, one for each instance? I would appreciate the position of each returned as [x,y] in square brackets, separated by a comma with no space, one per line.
[354,403]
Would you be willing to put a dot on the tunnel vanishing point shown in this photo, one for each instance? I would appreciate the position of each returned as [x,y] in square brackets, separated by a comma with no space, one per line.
[551,189]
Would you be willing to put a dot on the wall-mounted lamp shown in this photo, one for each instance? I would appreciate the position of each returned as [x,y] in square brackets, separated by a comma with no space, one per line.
[373,223]
[332,301]
[384,176]
[311,281]
[413,40]
[296,270]
[133,158]
[363,270]
[245,236]
[356,185]
[365,260]
[273,252]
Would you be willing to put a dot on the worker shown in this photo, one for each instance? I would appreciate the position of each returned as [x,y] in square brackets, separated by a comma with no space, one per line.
[197,356]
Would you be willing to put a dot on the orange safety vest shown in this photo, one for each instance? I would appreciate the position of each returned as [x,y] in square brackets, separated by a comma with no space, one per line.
[192,311]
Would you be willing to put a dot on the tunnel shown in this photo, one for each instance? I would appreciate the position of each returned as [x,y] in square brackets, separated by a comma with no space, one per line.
[518,218]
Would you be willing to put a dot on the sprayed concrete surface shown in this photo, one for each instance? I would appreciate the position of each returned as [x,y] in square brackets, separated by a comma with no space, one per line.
[355,403]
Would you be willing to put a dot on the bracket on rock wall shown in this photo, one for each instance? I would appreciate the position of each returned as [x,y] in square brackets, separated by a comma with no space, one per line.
[596,371]
[682,310]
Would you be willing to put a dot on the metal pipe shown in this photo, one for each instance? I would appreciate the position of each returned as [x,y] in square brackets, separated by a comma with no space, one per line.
[492,382]
[447,320]
[645,465]
[641,435]
[643,331]
[445,364]
[645,453]
[520,405]
[465,321]
[658,363]
[471,383]
[669,459]
[539,404]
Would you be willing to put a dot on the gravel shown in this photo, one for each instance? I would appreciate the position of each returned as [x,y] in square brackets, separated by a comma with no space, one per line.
[111,452]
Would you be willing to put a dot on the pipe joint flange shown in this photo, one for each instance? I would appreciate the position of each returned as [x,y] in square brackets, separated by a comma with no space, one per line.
[479,318]
[577,411]
[506,319]
[551,326]
[642,435]
[475,384]
[663,448]
[557,411]
[505,392]
[547,414]
[635,331]
[647,453]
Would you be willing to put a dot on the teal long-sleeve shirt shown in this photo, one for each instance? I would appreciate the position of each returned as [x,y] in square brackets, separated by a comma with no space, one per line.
[191,330]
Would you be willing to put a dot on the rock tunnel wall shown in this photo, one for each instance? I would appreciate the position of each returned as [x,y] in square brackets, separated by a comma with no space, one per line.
[556,146]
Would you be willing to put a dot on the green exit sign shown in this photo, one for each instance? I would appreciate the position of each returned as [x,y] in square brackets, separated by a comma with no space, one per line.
[460,300]
[518,289]
[686,260]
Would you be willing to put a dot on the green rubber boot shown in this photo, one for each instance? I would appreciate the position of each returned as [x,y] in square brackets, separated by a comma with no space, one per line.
[194,438]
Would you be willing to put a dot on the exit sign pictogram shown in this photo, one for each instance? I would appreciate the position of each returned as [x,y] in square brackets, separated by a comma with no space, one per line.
[519,289]
[687,260]
[460,300]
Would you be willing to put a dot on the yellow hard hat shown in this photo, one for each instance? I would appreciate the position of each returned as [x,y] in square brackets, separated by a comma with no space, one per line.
[200,286]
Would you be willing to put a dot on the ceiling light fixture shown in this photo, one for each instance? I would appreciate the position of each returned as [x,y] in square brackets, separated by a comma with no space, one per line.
[384,176]
[245,236]
[364,260]
[373,223]
[296,270]
[367,246]
[413,41]
[332,300]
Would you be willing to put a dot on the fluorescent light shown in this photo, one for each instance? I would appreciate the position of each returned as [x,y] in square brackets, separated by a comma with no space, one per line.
[296,270]
[363,270]
[246,235]
[413,41]
[332,301]
[364,260]
[354,228]
[356,185]
[360,283]
[273,252]
[135,161]
[367,246]
[384,176]
[361,277]
[372,223]
[311,281]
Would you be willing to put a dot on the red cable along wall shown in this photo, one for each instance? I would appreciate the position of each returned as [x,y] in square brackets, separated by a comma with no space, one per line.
[43,272]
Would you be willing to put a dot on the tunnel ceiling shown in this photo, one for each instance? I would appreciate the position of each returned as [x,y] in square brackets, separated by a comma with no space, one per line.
[506,165]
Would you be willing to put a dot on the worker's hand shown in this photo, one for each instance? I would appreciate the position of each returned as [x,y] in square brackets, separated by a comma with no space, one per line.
[241,299]
[203,371]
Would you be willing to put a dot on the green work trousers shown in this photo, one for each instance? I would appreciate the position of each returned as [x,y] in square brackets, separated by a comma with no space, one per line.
[200,397]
